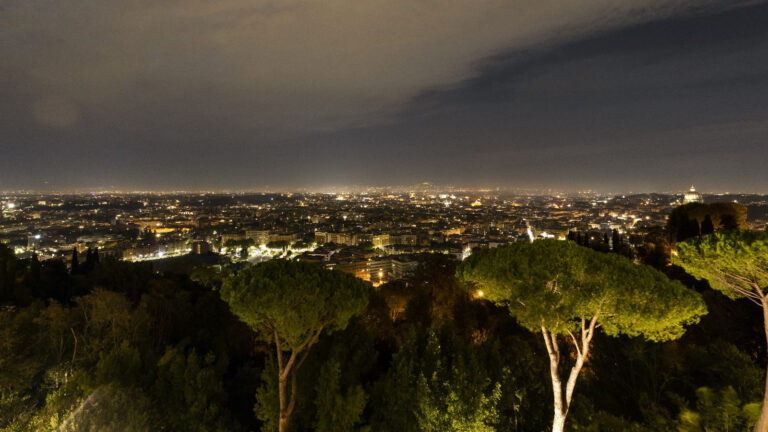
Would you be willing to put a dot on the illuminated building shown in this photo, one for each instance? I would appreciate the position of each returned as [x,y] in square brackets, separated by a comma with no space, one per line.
[33,242]
[260,237]
[692,196]
[349,239]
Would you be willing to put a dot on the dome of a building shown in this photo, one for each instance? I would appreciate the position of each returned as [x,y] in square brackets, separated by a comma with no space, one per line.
[692,196]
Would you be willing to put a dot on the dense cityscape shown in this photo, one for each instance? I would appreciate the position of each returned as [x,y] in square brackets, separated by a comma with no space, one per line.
[375,236]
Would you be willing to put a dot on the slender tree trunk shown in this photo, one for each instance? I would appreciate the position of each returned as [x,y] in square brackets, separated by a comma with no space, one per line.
[558,420]
[287,371]
[762,422]
[562,400]
[283,421]
[558,424]
[282,381]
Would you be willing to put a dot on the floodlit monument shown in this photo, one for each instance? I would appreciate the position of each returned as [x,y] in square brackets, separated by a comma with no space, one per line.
[692,196]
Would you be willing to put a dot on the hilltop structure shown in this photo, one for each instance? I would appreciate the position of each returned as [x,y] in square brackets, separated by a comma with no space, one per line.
[692,196]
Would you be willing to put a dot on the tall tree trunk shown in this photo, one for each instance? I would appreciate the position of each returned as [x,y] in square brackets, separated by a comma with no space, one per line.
[283,421]
[282,381]
[562,400]
[558,424]
[287,370]
[762,422]
[560,411]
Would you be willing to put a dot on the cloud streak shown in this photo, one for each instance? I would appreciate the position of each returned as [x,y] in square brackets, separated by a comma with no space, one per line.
[169,84]
[278,66]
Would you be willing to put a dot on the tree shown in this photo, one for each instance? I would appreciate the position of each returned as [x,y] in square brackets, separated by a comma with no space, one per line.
[291,304]
[684,221]
[690,229]
[707,226]
[735,263]
[74,261]
[453,392]
[367,246]
[438,382]
[730,222]
[615,241]
[337,410]
[718,411]
[190,387]
[566,291]
[9,270]
[278,244]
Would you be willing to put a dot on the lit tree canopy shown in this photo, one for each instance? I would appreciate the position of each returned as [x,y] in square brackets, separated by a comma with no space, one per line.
[555,284]
[291,304]
[566,290]
[734,262]
[298,300]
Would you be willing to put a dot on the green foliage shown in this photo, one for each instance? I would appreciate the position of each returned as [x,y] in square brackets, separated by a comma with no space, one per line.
[267,407]
[278,244]
[555,284]
[239,244]
[122,366]
[719,411]
[295,299]
[437,386]
[601,421]
[291,304]
[721,364]
[456,396]
[443,405]
[23,361]
[396,401]
[367,246]
[93,363]
[209,276]
[105,398]
[337,410]
[124,348]
[191,389]
[107,408]
[734,262]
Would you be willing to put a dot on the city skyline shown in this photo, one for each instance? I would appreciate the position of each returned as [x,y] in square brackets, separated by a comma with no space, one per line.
[357,189]
[248,96]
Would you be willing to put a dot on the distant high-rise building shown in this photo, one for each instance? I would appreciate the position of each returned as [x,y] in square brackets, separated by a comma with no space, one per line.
[692,196]
[33,242]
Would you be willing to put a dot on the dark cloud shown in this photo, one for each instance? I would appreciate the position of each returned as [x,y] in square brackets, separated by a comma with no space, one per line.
[242,94]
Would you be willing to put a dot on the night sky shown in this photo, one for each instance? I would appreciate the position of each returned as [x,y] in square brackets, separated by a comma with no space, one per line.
[616,96]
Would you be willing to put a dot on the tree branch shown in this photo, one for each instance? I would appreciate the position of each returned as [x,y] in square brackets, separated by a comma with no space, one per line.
[279,350]
[292,402]
[298,350]
[74,350]
[575,342]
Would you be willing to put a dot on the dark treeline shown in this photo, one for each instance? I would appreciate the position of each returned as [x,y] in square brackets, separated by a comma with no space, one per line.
[117,346]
